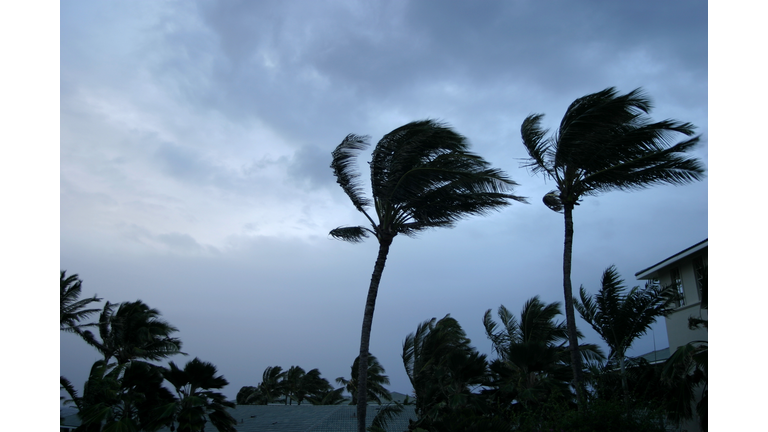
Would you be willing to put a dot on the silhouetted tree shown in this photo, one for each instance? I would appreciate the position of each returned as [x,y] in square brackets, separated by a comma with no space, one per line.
[422,176]
[605,142]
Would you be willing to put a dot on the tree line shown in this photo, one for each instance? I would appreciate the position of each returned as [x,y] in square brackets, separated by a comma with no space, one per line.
[125,390]
[528,386]
[294,384]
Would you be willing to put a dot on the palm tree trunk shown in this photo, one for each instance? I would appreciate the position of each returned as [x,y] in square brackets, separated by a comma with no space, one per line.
[365,338]
[570,317]
[624,385]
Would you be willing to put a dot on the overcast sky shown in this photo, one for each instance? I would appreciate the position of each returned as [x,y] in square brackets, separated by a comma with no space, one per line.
[196,138]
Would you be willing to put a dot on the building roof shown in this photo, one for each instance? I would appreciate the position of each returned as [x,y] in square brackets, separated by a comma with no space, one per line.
[656,356]
[651,272]
[302,418]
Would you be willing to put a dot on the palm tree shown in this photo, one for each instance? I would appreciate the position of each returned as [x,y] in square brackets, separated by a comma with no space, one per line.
[621,318]
[375,382]
[127,396]
[444,370]
[270,389]
[533,362]
[72,312]
[605,142]
[133,331]
[197,400]
[422,176]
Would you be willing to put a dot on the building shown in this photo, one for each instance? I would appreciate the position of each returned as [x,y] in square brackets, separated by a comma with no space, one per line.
[687,271]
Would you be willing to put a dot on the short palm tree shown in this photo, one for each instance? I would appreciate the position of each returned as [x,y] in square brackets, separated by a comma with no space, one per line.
[270,389]
[422,176]
[533,359]
[621,317]
[444,370]
[375,382]
[605,142]
[72,308]
[198,401]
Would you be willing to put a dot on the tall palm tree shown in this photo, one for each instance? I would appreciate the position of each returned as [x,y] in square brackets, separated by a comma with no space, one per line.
[621,318]
[133,331]
[605,142]
[375,382]
[533,361]
[72,308]
[198,401]
[422,176]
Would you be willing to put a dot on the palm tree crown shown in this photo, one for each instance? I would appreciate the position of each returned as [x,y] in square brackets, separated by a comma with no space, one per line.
[620,317]
[422,176]
[134,331]
[376,381]
[198,401]
[607,142]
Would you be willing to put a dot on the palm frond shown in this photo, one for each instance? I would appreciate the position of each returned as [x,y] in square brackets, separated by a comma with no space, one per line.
[351,234]
[347,175]
[540,149]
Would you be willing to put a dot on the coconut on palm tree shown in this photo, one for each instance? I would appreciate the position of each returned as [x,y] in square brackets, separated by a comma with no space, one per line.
[621,317]
[422,176]
[605,142]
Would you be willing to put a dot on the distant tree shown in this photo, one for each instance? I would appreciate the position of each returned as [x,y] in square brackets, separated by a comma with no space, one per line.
[422,176]
[271,388]
[533,364]
[605,142]
[243,395]
[376,381]
[327,397]
[197,401]
[72,308]
[621,317]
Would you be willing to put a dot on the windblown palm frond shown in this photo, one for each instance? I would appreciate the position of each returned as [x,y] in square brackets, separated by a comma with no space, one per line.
[72,308]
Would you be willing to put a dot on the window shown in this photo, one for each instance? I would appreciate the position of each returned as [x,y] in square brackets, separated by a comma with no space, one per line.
[700,272]
[677,281]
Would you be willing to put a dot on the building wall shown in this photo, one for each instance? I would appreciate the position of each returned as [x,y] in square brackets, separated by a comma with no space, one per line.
[678,332]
